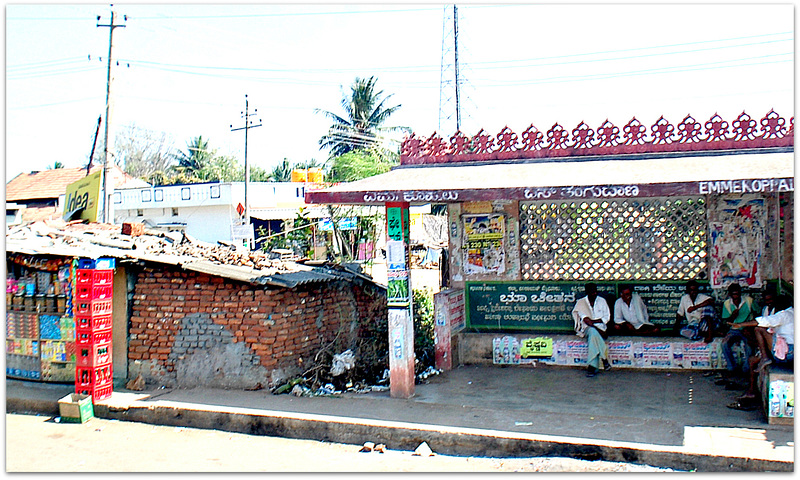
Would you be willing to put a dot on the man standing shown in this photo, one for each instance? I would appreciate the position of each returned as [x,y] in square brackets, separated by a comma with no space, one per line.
[697,310]
[591,314]
[630,314]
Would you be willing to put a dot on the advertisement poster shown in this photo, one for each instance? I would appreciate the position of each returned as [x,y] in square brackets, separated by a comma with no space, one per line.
[620,353]
[577,352]
[398,292]
[696,355]
[485,249]
[505,351]
[83,198]
[537,347]
[737,241]
[657,354]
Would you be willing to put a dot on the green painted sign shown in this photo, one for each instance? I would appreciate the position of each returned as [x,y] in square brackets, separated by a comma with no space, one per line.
[547,306]
[394,223]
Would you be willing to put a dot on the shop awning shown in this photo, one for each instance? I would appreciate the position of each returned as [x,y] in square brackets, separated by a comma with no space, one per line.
[688,173]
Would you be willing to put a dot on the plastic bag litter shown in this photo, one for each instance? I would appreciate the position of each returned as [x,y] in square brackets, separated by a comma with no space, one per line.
[342,362]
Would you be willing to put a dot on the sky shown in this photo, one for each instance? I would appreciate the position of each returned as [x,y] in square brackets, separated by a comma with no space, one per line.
[185,69]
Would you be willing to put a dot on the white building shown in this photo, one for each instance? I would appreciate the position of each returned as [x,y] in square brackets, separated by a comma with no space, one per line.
[211,211]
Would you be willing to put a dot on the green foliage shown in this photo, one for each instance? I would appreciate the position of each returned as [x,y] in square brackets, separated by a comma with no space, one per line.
[223,169]
[300,239]
[360,163]
[282,172]
[424,348]
[197,156]
[274,241]
[258,174]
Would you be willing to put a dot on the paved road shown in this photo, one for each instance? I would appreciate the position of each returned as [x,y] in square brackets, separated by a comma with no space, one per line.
[40,444]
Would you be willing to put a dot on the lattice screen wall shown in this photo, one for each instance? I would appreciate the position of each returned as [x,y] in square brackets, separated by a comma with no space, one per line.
[614,239]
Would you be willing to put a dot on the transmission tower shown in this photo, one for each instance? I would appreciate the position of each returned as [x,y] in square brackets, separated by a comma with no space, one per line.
[451,78]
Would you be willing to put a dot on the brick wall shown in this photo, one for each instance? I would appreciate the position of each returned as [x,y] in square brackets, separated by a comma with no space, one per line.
[189,329]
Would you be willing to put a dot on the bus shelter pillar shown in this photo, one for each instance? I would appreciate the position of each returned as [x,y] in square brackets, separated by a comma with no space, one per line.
[399,300]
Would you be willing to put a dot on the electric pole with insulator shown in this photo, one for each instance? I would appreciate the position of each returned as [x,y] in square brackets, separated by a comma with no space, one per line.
[248,124]
[108,186]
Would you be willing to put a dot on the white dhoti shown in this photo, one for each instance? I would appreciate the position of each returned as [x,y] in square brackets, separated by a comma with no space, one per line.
[598,350]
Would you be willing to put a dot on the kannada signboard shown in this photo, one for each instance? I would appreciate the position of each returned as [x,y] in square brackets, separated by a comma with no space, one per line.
[547,306]
[82,198]
[662,299]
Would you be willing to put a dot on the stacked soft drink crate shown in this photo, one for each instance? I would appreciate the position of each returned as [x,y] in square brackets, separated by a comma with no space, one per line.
[93,298]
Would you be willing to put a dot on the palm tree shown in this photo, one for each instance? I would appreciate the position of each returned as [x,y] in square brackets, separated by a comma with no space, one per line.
[363,121]
[282,172]
[195,158]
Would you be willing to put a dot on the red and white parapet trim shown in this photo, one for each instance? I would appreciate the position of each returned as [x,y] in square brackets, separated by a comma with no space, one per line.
[688,135]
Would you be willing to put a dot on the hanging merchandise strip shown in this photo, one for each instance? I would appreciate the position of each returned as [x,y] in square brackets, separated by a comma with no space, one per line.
[47,265]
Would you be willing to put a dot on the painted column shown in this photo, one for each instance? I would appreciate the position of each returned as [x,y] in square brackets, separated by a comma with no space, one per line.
[401,319]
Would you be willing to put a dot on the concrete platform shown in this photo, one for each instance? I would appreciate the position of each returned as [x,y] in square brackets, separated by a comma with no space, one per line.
[668,419]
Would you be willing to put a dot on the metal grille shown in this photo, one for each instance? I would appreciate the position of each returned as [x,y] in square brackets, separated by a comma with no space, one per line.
[619,239]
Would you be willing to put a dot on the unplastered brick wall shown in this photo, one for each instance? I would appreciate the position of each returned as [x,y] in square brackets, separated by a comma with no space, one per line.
[189,329]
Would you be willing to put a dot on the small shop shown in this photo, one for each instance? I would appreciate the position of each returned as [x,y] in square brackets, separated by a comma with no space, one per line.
[534,216]
[40,325]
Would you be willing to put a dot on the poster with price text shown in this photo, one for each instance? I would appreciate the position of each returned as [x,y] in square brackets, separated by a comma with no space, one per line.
[484,235]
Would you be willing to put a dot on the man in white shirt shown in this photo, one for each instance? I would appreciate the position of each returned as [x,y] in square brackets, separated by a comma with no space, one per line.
[591,314]
[775,339]
[630,314]
[697,310]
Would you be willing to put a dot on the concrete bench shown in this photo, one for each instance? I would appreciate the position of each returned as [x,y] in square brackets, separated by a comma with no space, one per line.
[776,384]
[676,353]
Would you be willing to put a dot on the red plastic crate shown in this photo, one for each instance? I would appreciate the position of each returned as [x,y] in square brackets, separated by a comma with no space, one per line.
[97,393]
[90,277]
[93,307]
[91,336]
[93,292]
[93,355]
[92,323]
[88,377]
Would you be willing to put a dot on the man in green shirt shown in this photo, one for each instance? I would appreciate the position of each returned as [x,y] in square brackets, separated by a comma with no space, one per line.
[738,312]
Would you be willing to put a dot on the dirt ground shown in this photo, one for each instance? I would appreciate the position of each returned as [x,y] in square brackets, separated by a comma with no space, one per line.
[39,444]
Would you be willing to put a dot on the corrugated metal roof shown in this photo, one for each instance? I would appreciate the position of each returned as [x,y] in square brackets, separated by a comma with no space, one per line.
[38,239]
[431,183]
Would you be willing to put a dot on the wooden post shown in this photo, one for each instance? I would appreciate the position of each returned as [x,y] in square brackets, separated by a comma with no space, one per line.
[399,300]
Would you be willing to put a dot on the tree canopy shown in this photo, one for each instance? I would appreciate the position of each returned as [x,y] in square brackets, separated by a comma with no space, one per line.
[363,123]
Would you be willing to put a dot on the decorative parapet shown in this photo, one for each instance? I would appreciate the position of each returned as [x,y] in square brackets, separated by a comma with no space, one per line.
[607,139]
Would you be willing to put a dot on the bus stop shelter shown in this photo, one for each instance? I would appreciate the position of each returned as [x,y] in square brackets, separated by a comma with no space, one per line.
[710,201]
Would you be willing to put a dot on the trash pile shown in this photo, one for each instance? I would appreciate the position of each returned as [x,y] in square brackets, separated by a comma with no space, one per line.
[330,378]
[428,372]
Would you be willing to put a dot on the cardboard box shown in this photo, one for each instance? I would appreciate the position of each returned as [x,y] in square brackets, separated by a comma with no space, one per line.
[76,408]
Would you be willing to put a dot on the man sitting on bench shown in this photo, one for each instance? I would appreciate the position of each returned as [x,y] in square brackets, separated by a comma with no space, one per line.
[697,310]
[591,315]
[775,340]
[630,315]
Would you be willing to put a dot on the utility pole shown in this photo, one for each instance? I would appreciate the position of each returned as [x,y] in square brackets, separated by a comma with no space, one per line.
[248,124]
[108,186]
